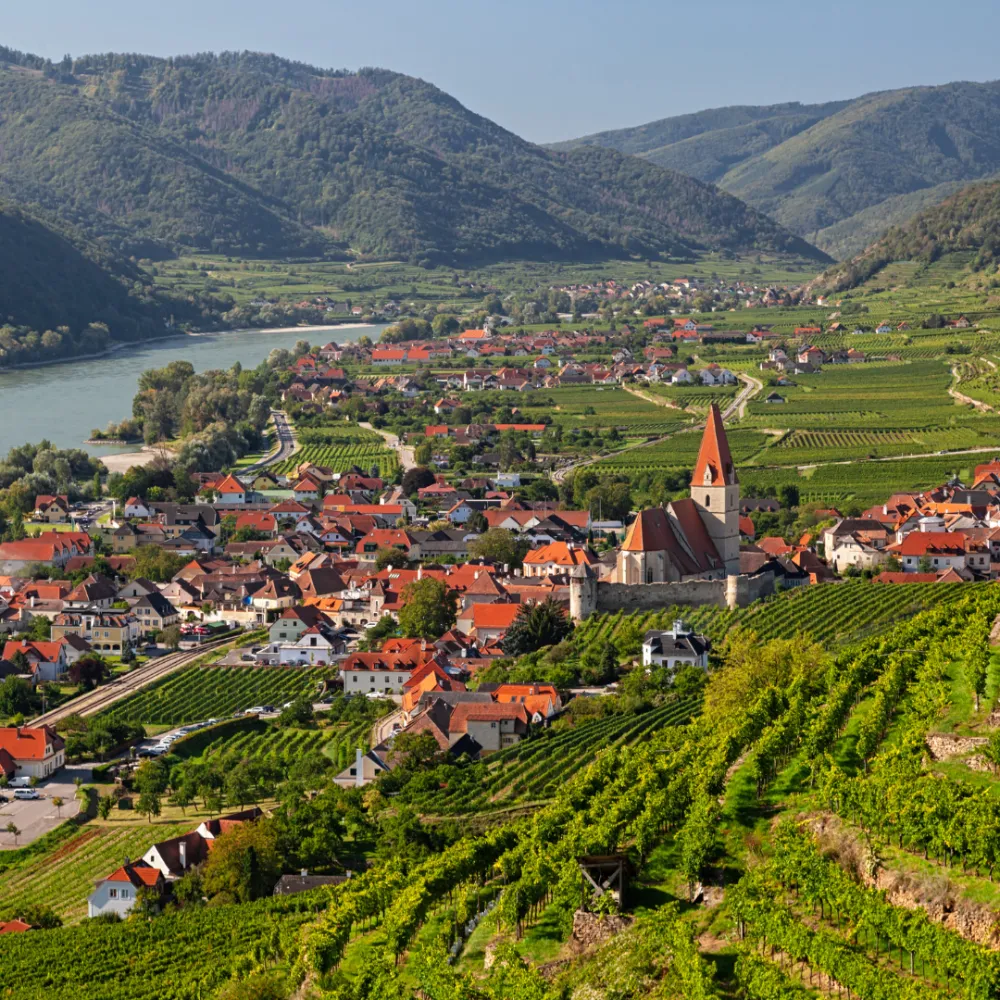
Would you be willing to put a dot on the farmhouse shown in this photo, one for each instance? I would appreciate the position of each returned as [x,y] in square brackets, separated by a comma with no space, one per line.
[676,648]
[34,751]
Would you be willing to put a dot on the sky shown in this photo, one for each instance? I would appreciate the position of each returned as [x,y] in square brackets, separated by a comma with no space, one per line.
[556,69]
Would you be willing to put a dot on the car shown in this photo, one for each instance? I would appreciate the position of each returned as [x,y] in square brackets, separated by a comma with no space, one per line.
[27,793]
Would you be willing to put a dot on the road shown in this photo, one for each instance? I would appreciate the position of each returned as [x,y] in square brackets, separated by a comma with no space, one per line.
[387,725]
[287,444]
[35,817]
[739,405]
[107,694]
[405,452]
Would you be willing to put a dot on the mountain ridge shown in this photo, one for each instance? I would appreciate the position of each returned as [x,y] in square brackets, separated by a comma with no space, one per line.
[250,154]
[839,173]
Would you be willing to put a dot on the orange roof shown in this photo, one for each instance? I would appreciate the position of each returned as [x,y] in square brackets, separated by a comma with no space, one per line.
[494,615]
[47,652]
[138,873]
[230,485]
[14,927]
[561,554]
[715,463]
[29,742]
[774,546]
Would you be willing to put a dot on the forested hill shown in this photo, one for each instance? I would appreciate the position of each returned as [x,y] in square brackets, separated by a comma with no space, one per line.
[838,174]
[967,221]
[251,154]
[61,295]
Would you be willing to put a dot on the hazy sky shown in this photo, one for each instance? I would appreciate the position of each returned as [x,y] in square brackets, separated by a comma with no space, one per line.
[554,69]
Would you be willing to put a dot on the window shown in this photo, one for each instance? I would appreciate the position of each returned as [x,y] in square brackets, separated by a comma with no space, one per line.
[125,894]
[354,772]
[112,893]
[708,500]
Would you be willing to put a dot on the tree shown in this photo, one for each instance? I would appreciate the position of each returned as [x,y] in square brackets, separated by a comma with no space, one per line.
[924,565]
[429,609]
[182,798]
[416,479]
[15,695]
[58,802]
[414,750]
[500,546]
[477,522]
[389,556]
[12,829]
[536,625]
[243,863]
[423,453]
[88,671]
[149,803]
[170,637]
[788,495]
[104,806]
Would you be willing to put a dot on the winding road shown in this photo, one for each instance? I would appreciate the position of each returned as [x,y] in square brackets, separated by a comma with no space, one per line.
[287,444]
[405,452]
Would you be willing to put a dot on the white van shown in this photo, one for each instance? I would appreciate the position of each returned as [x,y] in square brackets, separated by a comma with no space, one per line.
[26,793]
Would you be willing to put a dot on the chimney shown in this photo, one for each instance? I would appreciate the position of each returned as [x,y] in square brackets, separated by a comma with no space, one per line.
[420,572]
[33,600]
[183,853]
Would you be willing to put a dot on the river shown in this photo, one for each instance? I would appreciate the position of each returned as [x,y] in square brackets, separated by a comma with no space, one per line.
[64,402]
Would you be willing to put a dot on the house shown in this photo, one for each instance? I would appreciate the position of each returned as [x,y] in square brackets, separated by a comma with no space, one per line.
[883,328]
[47,661]
[540,701]
[36,751]
[676,648]
[558,558]
[493,727]
[230,491]
[487,622]
[51,509]
[118,892]
[14,927]
[108,632]
[293,622]
[774,397]
[856,541]
[134,507]
[713,374]
[50,548]
[92,593]
[155,613]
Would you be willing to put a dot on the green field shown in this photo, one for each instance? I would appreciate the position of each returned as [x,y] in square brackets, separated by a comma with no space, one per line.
[199,693]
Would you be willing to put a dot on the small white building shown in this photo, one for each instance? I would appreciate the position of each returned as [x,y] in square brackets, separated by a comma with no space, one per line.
[677,648]
[117,893]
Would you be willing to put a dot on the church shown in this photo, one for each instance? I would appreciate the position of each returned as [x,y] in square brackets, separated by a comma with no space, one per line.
[697,538]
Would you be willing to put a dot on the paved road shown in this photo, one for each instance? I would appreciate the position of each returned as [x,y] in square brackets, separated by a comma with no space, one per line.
[739,405]
[106,695]
[405,452]
[287,444]
[35,817]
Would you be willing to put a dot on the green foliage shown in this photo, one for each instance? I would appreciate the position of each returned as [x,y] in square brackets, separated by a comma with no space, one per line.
[428,609]
[536,625]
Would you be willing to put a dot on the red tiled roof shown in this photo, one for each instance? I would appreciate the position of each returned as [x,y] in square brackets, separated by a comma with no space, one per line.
[29,742]
[494,615]
[137,872]
[14,927]
[229,485]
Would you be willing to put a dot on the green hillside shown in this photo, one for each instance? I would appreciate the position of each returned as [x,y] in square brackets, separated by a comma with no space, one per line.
[253,155]
[967,223]
[57,284]
[837,174]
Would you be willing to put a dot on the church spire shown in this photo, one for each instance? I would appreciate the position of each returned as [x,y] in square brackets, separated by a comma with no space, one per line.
[715,464]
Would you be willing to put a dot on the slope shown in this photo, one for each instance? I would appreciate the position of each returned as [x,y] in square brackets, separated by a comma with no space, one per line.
[251,154]
[968,221]
[837,174]
[57,284]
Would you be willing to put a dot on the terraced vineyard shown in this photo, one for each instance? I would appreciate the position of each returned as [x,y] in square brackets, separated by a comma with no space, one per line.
[201,693]
[341,457]
[535,769]
[830,613]
[65,877]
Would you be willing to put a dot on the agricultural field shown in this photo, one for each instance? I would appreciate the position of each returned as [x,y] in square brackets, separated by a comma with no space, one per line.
[594,407]
[261,739]
[830,613]
[534,769]
[199,693]
[339,447]
[64,877]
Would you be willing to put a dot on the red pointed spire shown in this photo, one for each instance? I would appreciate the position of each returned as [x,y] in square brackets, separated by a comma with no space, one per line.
[715,464]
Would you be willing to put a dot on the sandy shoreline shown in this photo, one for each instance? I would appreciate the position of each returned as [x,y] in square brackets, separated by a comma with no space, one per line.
[124,460]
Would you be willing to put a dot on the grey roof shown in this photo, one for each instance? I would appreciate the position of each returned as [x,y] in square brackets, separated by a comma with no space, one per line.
[668,644]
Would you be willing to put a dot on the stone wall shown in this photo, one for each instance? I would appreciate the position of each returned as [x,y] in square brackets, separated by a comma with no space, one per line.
[588,596]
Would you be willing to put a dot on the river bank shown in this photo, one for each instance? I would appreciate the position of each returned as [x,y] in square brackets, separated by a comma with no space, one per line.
[63,401]
[122,345]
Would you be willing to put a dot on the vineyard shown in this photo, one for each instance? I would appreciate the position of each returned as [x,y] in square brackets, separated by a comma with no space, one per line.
[286,745]
[829,614]
[339,447]
[200,693]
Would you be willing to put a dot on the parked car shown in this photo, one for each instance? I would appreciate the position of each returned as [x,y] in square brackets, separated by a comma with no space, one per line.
[27,793]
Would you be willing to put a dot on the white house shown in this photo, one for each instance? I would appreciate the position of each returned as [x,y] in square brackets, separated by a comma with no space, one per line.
[230,491]
[681,377]
[713,374]
[31,751]
[676,648]
[135,507]
[117,893]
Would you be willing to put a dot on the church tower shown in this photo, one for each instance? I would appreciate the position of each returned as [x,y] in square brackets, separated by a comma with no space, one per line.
[716,491]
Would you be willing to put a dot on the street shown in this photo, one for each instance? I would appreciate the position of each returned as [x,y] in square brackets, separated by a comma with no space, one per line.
[35,817]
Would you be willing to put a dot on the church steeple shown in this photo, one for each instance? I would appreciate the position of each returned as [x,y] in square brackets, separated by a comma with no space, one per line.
[715,463]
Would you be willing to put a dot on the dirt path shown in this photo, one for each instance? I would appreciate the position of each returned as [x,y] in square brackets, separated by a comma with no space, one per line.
[650,397]
[961,397]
